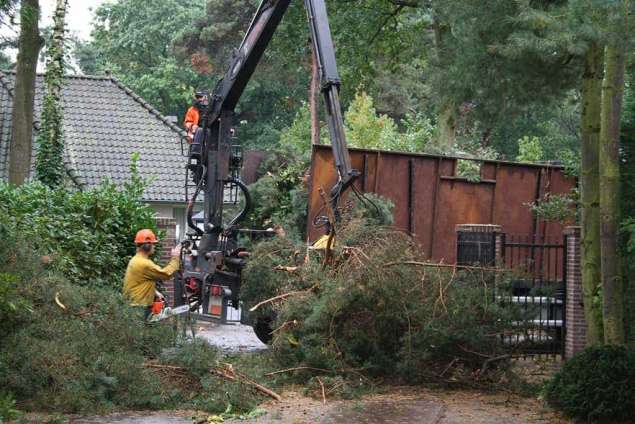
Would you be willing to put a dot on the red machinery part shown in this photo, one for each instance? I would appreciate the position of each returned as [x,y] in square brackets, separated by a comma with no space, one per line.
[192,284]
[157,306]
[215,301]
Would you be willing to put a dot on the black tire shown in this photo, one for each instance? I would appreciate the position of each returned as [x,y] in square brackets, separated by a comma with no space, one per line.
[263,328]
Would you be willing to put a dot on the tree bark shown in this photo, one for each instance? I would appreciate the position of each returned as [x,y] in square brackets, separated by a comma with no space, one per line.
[612,285]
[29,45]
[314,94]
[590,192]
[447,126]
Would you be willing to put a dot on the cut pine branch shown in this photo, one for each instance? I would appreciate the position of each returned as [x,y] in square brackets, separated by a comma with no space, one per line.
[280,297]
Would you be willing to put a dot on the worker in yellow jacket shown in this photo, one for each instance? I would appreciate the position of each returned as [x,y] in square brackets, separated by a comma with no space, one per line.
[139,285]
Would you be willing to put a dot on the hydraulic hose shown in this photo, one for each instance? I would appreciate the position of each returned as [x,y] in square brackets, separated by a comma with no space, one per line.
[190,204]
[243,213]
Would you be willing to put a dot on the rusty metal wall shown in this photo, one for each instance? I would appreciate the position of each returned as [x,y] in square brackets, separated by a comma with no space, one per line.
[430,200]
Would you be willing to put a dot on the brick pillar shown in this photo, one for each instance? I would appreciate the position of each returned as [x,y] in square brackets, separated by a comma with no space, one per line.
[575,336]
[499,248]
[167,242]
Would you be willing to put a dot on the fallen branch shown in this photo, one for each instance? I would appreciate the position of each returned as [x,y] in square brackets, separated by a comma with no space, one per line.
[482,355]
[432,264]
[286,268]
[448,367]
[348,249]
[59,302]
[323,391]
[343,370]
[285,325]
[163,367]
[494,359]
[280,297]
[246,380]
[297,369]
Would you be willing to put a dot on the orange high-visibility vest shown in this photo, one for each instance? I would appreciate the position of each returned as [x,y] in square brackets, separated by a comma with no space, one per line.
[191,118]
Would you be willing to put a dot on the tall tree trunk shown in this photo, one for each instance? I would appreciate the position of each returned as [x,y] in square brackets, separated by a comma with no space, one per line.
[29,45]
[49,166]
[590,191]
[446,131]
[446,120]
[612,285]
[314,94]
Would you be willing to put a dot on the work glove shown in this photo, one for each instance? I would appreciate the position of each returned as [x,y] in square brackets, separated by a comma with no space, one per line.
[176,251]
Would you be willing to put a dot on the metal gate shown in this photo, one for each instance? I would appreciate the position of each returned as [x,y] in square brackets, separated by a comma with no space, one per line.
[536,287]
[532,285]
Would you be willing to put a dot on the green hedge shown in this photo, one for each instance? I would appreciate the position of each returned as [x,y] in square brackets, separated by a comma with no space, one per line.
[87,234]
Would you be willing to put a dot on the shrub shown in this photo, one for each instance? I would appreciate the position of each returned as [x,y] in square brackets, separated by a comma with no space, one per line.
[560,208]
[529,150]
[87,234]
[596,385]
[8,409]
[365,128]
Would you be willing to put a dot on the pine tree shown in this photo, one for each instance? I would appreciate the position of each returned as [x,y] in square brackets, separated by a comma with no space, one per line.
[591,97]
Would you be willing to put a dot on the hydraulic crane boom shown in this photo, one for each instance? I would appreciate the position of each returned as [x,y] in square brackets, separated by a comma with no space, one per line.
[218,261]
[246,57]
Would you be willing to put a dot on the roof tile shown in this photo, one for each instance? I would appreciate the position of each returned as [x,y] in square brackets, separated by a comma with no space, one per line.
[104,124]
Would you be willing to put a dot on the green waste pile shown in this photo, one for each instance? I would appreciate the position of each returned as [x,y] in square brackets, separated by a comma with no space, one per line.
[378,310]
[71,348]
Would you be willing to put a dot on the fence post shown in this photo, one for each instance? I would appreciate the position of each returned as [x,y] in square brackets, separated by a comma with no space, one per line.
[575,336]
[168,225]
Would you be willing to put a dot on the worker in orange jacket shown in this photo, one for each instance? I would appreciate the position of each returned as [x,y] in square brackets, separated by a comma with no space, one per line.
[193,114]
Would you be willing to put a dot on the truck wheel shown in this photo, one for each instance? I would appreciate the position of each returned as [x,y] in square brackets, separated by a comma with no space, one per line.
[263,328]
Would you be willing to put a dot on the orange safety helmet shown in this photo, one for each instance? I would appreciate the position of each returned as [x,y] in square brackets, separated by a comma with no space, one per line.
[145,236]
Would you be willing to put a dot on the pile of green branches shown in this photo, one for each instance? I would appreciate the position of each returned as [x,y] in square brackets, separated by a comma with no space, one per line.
[376,308]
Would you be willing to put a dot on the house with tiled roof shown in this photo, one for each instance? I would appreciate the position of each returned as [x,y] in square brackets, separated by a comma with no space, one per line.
[105,123]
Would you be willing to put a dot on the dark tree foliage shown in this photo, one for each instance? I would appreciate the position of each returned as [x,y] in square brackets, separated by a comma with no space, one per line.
[132,40]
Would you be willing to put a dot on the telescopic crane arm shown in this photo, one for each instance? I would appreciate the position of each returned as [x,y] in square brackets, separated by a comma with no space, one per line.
[230,88]
[212,265]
